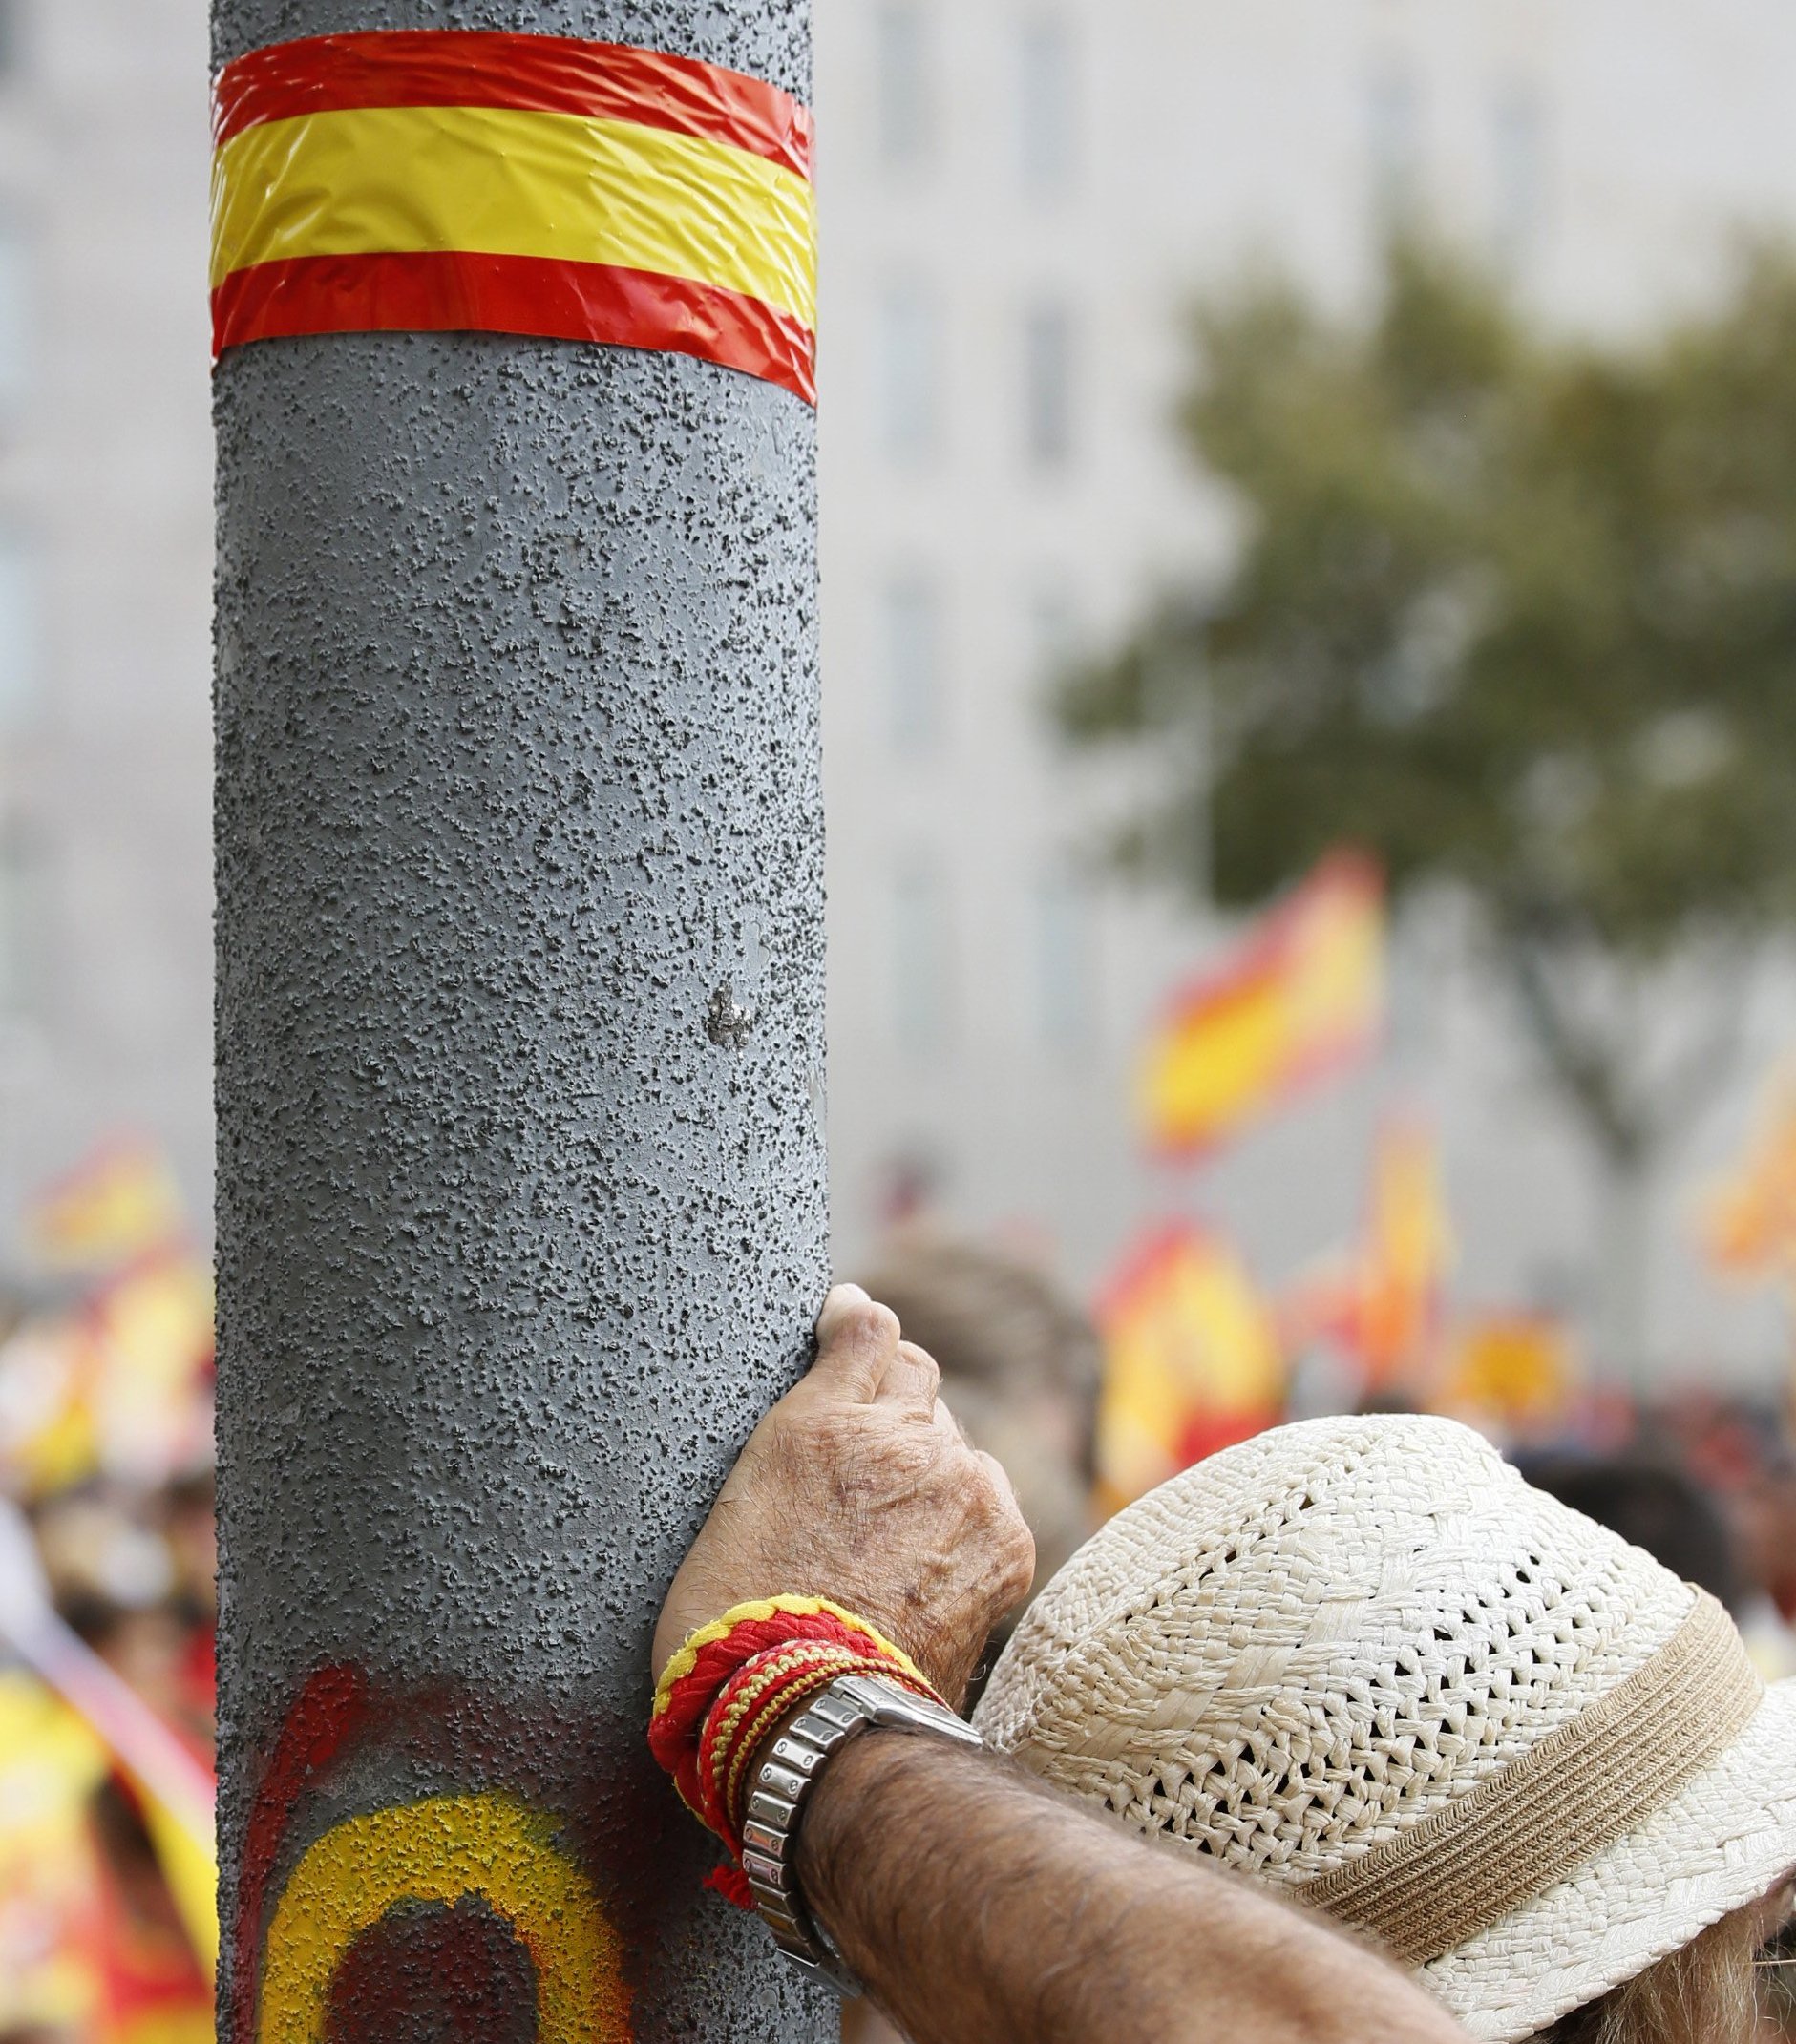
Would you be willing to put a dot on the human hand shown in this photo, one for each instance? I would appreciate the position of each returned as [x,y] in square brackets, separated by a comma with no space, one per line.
[858,1486]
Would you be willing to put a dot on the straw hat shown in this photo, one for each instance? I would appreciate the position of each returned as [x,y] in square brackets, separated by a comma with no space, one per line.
[1362,1659]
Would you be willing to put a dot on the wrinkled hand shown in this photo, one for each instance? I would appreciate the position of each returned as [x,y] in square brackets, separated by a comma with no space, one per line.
[858,1486]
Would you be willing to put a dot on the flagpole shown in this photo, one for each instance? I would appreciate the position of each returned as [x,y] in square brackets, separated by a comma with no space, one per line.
[521,1213]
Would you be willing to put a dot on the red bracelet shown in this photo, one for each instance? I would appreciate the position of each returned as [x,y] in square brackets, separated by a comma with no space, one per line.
[754,1700]
[733,1680]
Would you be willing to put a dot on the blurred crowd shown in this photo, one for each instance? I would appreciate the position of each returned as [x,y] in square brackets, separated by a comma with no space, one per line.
[107,1612]
[1087,1413]
[107,1557]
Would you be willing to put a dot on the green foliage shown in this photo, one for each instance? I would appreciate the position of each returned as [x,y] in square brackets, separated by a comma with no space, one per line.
[1516,612]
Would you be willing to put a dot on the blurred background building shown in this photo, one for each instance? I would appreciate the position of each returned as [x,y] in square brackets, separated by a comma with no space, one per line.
[105,586]
[1019,202]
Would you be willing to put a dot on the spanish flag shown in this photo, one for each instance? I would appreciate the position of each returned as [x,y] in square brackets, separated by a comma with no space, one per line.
[1508,1370]
[442,179]
[1408,1251]
[1381,1304]
[117,1204]
[1302,996]
[1750,1226]
[1192,1360]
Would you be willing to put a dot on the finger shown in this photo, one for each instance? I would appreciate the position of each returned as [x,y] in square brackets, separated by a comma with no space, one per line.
[1017,1572]
[943,1418]
[856,1341]
[841,1303]
[911,1379]
[999,1474]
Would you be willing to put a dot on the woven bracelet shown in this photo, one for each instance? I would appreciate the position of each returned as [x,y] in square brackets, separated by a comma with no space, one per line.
[694,1678]
[757,1697]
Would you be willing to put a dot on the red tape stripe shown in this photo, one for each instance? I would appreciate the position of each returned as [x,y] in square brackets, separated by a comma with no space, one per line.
[461,293]
[528,74]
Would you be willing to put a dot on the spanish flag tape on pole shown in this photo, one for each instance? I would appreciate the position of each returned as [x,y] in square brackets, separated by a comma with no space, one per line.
[449,180]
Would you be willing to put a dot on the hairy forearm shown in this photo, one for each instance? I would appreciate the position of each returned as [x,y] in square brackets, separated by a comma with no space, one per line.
[977,1903]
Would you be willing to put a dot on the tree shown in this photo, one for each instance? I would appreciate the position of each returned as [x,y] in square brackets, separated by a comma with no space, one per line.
[1517,612]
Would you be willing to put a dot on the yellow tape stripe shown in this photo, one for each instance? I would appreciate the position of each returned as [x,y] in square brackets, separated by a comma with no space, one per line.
[491,180]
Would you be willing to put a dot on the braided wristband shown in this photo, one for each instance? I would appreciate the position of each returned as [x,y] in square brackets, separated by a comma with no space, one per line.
[733,1680]
[753,1701]
[754,1696]
[692,1680]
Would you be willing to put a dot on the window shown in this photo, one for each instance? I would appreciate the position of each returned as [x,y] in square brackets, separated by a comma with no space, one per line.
[1047,376]
[911,373]
[15,316]
[1051,633]
[911,658]
[920,961]
[21,926]
[905,115]
[1519,165]
[1393,111]
[1046,91]
[18,646]
[1064,974]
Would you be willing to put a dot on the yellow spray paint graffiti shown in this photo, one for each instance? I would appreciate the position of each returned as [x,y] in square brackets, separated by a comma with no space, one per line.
[443,1850]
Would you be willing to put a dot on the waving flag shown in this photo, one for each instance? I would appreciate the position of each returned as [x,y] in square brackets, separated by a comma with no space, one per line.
[438,179]
[1409,1249]
[1508,1371]
[1381,1304]
[176,1787]
[1190,1361]
[51,1762]
[1302,996]
[1750,1225]
[109,1209]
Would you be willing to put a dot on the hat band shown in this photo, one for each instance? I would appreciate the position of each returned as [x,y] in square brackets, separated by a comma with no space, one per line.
[1471,1861]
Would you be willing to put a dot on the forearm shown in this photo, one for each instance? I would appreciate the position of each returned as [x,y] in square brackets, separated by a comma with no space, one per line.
[977,1903]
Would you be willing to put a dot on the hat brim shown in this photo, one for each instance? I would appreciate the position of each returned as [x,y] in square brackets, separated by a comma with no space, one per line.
[1727,1837]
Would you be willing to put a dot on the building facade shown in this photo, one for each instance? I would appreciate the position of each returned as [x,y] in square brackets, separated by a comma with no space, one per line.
[105,587]
[1020,202]
[1020,198]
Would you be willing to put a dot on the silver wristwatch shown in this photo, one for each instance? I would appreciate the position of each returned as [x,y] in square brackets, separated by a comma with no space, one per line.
[783,1781]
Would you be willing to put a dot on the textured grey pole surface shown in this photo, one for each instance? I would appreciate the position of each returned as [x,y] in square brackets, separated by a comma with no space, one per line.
[519,1226]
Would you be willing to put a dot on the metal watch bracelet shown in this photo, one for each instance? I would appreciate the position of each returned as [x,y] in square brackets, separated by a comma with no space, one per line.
[783,1784]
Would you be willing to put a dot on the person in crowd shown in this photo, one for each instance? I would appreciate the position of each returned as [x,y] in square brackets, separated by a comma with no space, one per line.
[1019,1370]
[152,1984]
[1020,1367]
[1666,1510]
[1764,1512]
[1655,1506]
[1357,1664]
[189,1511]
[114,1952]
[972,1902]
[1363,1662]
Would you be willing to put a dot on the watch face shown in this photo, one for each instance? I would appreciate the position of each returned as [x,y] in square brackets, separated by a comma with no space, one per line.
[885,1703]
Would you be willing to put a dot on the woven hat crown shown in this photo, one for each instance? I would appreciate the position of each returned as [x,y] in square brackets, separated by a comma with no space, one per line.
[1305,1645]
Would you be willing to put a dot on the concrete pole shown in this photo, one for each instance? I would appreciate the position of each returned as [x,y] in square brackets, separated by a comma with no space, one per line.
[521,1210]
